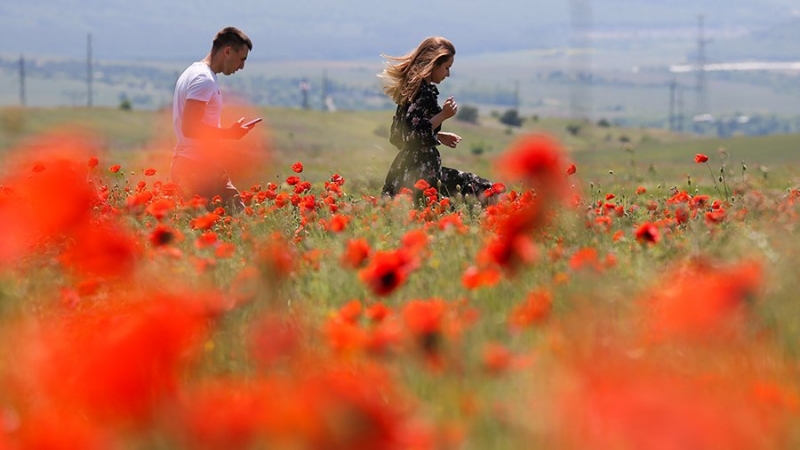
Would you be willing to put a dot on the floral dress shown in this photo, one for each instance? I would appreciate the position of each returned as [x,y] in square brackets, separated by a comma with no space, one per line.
[419,159]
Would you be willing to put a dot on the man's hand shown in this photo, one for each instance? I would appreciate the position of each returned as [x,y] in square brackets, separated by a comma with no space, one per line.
[449,139]
[237,130]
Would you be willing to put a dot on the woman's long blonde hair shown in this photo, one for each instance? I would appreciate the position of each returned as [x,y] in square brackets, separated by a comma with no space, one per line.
[403,75]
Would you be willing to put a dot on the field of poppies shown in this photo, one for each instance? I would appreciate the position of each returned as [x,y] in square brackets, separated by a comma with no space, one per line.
[565,315]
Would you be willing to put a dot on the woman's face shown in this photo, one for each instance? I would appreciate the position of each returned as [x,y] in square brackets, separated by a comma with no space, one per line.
[442,71]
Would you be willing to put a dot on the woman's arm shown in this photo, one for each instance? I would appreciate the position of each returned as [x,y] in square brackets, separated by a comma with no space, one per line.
[449,109]
[424,118]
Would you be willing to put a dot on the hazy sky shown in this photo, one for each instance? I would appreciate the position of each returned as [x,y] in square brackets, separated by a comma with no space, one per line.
[321,29]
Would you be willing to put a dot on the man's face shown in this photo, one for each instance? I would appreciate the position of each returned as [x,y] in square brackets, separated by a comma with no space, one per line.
[234,60]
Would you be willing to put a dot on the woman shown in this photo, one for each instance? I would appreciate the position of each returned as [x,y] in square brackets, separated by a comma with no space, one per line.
[416,128]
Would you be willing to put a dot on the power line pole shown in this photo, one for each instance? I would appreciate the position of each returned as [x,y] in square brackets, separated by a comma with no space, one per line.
[22,80]
[580,59]
[89,70]
[516,96]
[702,94]
[680,109]
[304,88]
[324,90]
[672,85]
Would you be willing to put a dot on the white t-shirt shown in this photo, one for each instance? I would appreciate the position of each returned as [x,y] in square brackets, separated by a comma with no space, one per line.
[197,82]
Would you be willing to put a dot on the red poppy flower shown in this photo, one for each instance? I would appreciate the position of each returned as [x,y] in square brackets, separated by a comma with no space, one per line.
[292,180]
[648,233]
[149,172]
[534,310]
[164,235]
[131,356]
[93,162]
[703,300]
[386,271]
[571,169]
[345,337]
[377,312]
[225,250]
[537,160]
[104,249]
[297,167]
[424,317]
[204,222]
[422,185]
[337,223]
[356,252]
[700,158]
[415,240]
[640,190]
[585,257]
[276,258]
[115,168]
[336,178]
[496,358]
[509,253]
[474,277]
[207,239]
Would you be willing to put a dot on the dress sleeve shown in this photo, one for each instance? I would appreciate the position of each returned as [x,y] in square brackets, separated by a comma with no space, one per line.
[419,131]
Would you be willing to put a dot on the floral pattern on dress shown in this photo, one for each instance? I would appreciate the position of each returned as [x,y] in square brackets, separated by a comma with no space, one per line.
[419,159]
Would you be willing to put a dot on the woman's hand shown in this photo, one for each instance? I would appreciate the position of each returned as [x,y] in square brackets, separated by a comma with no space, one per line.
[449,139]
[450,107]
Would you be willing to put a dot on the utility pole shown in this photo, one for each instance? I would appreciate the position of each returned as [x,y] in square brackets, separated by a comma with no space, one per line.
[89,70]
[324,90]
[701,88]
[680,109]
[672,85]
[22,80]
[516,96]
[304,88]
[580,59]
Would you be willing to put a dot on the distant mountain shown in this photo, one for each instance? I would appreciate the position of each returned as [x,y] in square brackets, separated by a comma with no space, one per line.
[348,29]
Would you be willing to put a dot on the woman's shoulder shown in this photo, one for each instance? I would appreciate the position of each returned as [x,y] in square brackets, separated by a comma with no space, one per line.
[427,91]
[428,88]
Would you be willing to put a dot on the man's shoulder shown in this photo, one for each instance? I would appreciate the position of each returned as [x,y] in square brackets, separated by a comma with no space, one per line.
[198,71]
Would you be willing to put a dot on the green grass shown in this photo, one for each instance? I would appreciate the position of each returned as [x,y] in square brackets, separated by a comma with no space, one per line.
[591,362]
[354,144]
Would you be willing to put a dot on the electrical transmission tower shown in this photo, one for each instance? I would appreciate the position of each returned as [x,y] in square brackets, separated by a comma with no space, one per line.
[580,59]
[701,88]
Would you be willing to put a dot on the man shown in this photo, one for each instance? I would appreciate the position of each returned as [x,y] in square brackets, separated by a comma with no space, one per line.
[196,120]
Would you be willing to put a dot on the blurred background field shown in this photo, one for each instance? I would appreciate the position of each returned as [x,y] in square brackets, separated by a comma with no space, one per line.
[354,144]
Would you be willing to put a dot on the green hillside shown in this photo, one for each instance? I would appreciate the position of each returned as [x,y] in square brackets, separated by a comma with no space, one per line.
[354,145]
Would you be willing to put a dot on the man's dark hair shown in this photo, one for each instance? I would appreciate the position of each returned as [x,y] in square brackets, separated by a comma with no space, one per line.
[233,37]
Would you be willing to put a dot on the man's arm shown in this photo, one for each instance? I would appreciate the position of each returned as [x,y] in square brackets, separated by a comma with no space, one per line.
[193,126]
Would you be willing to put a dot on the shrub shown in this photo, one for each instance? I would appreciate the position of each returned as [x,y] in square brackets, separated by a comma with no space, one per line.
[467,114]
[511,118]
[574,128]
